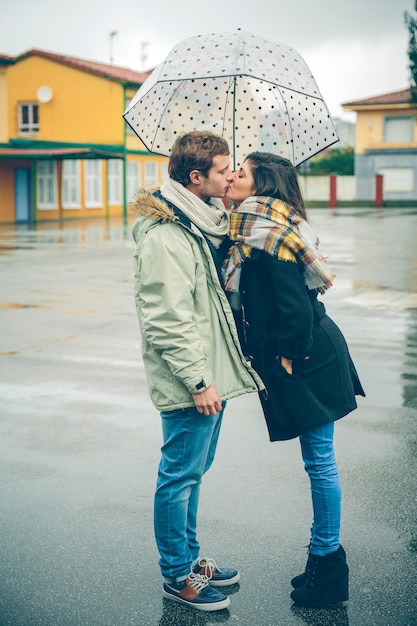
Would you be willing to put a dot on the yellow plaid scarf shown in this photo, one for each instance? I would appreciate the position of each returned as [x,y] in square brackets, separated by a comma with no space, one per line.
[271,225]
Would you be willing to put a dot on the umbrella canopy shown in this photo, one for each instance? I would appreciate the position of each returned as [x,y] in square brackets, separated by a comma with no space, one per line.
[256,93]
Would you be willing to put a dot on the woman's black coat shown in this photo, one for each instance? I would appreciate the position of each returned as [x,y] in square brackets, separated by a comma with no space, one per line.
[284,318]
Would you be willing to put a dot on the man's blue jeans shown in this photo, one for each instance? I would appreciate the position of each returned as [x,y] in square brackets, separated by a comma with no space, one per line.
[320,464]
[190,441]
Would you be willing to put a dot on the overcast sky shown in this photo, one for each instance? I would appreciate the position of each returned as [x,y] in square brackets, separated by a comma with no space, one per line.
[355,48]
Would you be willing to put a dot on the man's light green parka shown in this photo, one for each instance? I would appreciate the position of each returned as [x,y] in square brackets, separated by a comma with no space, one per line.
[187,326]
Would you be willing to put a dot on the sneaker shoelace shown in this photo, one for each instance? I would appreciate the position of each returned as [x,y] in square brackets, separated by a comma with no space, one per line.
[209,565]
[198,581]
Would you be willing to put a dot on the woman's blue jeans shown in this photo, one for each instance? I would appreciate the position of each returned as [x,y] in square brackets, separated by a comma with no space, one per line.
[320,464]
[189,445]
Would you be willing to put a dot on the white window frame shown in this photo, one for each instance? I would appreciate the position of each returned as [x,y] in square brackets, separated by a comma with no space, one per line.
[93,178]
[31,126]
[164,170]
[133,178]
[46,185]
[399,128]
[114,181]
[151,173]
[71,188]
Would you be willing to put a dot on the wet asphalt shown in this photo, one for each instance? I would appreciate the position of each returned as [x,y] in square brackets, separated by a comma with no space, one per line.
[80,441]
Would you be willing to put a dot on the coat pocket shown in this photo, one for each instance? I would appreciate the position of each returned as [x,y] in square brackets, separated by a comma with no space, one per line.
[289,406]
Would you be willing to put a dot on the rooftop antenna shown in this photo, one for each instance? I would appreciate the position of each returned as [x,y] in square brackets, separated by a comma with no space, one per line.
[111,36]
[143,53]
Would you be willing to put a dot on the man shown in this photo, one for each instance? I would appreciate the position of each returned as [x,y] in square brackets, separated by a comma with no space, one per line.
[190,348]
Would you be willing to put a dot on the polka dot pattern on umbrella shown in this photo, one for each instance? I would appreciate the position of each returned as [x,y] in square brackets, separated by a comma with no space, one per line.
[258,94]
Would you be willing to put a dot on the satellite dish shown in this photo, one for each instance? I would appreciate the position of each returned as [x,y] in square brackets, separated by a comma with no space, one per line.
[44,94]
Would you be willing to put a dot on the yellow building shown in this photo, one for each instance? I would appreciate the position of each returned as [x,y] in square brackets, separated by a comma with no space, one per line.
[65,150]
[5,61]
[386,144]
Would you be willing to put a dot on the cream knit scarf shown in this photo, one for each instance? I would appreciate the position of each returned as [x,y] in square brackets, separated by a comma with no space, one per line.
[210,217]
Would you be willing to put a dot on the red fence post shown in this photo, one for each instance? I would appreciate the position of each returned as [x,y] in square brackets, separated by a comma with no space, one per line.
[333,191]
[379,190]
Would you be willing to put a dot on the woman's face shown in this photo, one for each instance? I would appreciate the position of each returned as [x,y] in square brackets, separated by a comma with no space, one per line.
[242,185]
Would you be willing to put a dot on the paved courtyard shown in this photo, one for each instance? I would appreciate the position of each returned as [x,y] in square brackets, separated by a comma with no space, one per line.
[79,441]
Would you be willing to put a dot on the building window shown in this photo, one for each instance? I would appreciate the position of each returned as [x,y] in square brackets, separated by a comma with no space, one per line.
[114,181]
[28,118]
[93,184]
[133,178]
[151,169]
[46,186]
[164,168]
[398,128]
[71,196]
[397,179]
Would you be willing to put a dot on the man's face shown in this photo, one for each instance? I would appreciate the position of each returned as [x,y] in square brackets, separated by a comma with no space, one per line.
[218,179]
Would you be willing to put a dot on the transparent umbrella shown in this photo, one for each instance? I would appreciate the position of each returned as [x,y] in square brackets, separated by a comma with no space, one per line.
[256,93]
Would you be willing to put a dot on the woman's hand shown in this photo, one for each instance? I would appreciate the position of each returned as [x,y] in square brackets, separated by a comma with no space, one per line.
[286,364]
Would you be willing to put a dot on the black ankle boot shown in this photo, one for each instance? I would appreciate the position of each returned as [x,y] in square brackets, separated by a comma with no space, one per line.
[326,581]
[299,580]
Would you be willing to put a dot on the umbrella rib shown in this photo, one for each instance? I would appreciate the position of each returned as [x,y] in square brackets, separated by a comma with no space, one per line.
[234,123]
[290,127]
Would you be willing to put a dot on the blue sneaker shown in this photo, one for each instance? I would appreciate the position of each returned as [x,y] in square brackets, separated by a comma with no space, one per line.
[196,593]
[218,577]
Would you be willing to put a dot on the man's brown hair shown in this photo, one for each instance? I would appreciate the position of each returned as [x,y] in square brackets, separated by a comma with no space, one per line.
[195,151]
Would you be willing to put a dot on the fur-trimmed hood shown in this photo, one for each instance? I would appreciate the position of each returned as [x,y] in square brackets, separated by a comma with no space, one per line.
[146,204]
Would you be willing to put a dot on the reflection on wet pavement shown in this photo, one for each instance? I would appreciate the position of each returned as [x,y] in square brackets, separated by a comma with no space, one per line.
[78,235]
[380,245]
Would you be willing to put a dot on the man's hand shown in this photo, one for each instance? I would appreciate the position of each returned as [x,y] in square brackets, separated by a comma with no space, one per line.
[208,401]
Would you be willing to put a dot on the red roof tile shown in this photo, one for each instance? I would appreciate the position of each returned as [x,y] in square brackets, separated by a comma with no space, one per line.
[394,97]
[114,72]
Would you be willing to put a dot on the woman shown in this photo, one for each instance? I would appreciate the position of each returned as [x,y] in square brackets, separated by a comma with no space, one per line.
[275,272]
